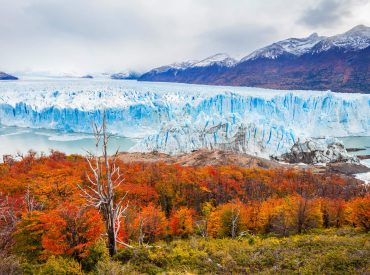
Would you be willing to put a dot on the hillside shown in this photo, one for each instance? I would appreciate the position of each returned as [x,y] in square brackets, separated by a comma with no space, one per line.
[198,219]
[5,76]
[340,63]
[202,158]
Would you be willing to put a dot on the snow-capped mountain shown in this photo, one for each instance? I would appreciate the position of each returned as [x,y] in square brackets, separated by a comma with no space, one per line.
[177,118]
[357,38]
[5,76]
[125,75]
[220,59]
[175,66]
[218,62]
[291,46]
[339,63]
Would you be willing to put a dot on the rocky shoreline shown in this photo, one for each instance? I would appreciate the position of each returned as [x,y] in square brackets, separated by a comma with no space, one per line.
[204,157]
[363,157]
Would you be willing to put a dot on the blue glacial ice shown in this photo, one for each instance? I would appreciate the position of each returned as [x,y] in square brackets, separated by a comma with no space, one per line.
[177,118]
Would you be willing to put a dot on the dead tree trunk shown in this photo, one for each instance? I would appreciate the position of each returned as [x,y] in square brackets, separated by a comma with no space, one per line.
[103,179]
[235,212]
[141,231]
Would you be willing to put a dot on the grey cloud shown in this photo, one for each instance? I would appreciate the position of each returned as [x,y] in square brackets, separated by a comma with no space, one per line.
[110,35]
[239,40]
[327,12]
[87,19]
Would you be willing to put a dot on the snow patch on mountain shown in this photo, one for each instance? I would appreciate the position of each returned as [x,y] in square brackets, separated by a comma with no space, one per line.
[357,38]
[294,46]
[220,59]
[174,66]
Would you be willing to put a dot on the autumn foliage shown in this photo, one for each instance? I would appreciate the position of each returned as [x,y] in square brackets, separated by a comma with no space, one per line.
[44,214]
[150,224]
[69,230]
[181,222]
[358,212]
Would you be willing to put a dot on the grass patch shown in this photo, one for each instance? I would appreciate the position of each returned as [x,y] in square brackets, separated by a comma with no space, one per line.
[325,251]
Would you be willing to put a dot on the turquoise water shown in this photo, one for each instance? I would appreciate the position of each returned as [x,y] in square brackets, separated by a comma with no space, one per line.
[15,139]
[357,142]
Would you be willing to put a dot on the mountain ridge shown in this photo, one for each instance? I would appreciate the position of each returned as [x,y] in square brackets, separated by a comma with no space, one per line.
[339,63]
[5,76]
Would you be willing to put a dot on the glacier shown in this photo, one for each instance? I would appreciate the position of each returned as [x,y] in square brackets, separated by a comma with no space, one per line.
[177,118]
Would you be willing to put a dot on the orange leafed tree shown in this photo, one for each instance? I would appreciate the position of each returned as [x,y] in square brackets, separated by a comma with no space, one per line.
[222,201]
[358,212]
[70,230]
[333,212]
[181,222]
[150,224]
[228,220]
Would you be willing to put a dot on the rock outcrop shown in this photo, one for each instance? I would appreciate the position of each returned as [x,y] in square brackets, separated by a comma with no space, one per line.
[315,152]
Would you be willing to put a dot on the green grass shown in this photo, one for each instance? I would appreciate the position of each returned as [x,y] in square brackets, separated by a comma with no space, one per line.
[329,251]
[320,252]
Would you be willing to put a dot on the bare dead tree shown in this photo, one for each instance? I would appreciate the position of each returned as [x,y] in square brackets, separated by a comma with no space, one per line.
[104,177]
[235,213]
[9,216]
[203,224]
[8,159]
[141,231]
[29,200]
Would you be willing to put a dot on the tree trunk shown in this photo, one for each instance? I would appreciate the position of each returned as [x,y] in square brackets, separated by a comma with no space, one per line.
[112,242]
[100,194]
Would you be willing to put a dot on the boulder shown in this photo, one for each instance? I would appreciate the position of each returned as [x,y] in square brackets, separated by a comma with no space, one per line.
[317,151]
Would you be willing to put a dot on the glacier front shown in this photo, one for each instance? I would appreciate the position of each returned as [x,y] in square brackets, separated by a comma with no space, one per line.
[176,118]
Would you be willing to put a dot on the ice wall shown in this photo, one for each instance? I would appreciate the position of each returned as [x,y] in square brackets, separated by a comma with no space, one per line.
[177,118]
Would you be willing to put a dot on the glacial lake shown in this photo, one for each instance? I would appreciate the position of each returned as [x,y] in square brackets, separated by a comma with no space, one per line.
[361,142]
[15,140]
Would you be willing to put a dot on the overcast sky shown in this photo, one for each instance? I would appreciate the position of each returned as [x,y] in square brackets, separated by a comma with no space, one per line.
[88,36]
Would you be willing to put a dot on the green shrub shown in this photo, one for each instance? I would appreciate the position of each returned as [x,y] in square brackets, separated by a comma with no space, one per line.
[110,268]
[324,251]
[97,253]
[62,266]
[139,259]
[124,255]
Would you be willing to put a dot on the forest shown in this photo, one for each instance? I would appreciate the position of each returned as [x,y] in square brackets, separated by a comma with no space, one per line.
[179,219]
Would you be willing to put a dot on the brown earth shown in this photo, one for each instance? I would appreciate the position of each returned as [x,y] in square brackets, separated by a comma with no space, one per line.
[364,157]
[205,157]
[347,168]
[202,157]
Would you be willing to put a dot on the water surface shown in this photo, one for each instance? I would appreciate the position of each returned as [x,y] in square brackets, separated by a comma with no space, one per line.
[360,142]
[15,140]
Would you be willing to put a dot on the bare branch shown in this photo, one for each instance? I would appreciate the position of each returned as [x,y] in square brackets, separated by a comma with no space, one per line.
[125,244]
[99,192]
